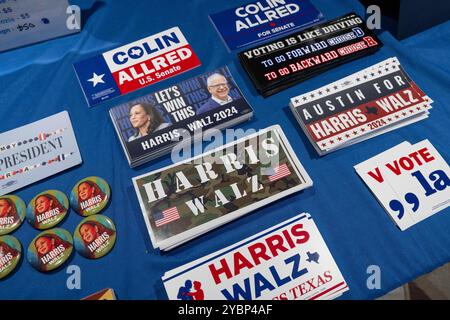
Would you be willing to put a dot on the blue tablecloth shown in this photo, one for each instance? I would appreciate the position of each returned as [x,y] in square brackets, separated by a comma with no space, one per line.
[38,81]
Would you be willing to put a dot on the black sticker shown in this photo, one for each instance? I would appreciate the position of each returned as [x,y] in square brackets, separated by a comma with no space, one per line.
[279,64]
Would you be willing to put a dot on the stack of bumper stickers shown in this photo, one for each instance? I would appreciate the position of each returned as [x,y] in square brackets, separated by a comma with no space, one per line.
[36,151]
[135,66]
[411,182]
[150,126]
[289,261]
[187,199]
[277,65]
[258,21]
[373,101]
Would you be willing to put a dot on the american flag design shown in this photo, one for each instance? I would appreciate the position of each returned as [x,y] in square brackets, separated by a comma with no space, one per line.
[280,172]
[166,216]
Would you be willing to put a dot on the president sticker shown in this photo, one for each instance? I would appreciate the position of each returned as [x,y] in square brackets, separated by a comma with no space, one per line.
[10,253]
[95,236]
[50,249]
[12,213]
[47,209]
[90,196]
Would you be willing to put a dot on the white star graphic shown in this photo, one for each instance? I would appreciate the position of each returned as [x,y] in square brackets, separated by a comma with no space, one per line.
[96,79]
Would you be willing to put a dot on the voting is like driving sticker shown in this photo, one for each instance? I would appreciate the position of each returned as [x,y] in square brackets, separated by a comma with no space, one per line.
[50,249]
[47,209]
[10,253]
[90,196]
[95,236]
[12,213]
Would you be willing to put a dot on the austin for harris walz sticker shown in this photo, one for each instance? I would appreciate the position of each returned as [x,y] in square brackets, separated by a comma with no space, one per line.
[135,66]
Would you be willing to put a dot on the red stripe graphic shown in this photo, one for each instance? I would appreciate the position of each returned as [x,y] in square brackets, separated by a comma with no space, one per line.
[326,291]
[280,172]
[169,215]
[156,69]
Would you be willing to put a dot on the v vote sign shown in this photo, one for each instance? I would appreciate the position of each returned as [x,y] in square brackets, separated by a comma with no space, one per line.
[135,66]
[410,181]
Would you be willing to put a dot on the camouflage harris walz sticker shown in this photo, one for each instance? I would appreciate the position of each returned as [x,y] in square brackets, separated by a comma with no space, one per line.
[12,213]
[47,209]
[50,249]
[95,236]
[237,176]
[10,253]
[90,196]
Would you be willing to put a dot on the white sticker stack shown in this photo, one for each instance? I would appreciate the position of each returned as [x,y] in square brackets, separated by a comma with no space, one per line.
[289,261]
[190,198]
[365,104]
[411,182]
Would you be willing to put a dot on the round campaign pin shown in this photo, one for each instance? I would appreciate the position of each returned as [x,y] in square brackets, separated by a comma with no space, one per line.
[10,253]
[50,249]
[47,209]
[90,196]
[12,213]
[95,236]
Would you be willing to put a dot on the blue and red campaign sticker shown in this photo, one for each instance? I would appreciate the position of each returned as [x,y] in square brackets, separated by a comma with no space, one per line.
[135,66]
[258,21]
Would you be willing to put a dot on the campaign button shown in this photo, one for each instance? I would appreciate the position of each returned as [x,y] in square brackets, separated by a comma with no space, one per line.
[10,253]
[95,236]
[90,196]
[47,209]
[50,249]
[12,213]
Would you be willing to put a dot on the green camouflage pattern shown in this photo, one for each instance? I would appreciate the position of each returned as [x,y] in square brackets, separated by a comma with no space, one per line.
[187,219]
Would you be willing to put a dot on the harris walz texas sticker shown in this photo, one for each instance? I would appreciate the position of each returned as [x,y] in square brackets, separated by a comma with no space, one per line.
[47,209]
[50,249]
[90,196]
[10,253]
[95,236]
[12,213]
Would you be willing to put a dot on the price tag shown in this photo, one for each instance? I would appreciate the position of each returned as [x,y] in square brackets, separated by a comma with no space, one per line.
[24,22]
